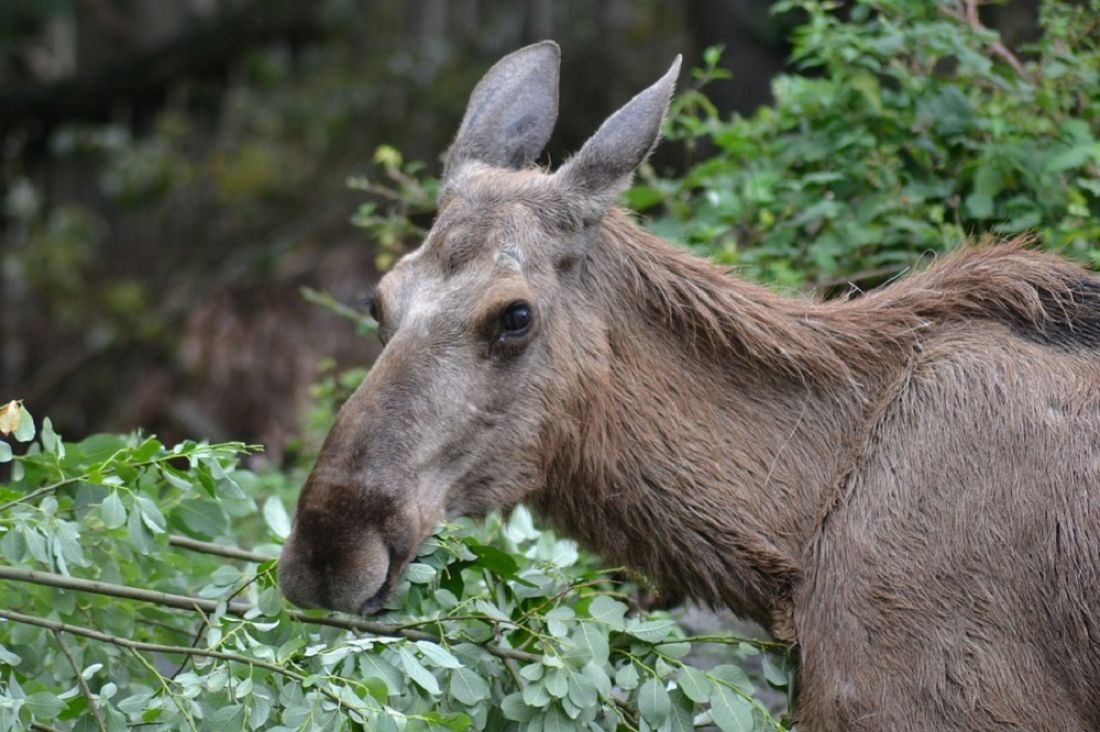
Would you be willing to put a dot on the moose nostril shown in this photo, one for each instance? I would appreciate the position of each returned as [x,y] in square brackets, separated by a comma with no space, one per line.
[374,604]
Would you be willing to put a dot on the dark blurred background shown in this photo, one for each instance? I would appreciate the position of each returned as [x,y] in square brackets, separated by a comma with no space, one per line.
[172,172]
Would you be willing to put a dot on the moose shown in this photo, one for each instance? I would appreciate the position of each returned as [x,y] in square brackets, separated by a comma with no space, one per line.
[906,484]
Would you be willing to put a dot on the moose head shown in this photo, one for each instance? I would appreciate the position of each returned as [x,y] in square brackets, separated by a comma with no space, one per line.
[490,328]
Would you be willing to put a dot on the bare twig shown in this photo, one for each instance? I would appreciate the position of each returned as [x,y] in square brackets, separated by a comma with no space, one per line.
[218,550]
[81,681]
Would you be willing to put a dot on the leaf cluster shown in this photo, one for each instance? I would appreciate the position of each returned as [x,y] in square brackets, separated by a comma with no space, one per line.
[128,601]
[906,131]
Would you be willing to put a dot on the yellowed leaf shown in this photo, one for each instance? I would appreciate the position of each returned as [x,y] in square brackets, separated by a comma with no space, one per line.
[10,414]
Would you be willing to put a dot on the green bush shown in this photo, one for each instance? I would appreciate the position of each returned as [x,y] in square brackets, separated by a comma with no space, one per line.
[127,601]
[910,133]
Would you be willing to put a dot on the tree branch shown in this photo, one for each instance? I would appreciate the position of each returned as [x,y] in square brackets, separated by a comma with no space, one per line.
[235,608]
[218,550]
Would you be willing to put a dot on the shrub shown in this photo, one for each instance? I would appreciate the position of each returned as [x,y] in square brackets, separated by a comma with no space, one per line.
[128,601]
[912,131]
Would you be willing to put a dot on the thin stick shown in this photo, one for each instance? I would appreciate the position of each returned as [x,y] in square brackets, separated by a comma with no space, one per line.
[218,550]
[81,681]
[237,608]
[41,492]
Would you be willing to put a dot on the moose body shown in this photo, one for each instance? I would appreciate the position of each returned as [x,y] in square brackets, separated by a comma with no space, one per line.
[906,484]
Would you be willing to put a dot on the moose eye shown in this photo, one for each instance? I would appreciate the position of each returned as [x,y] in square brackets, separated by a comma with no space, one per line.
[517,318]
[374,311]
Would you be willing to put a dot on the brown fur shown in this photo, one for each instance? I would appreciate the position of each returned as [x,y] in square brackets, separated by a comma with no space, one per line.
[892,482]
[904,483]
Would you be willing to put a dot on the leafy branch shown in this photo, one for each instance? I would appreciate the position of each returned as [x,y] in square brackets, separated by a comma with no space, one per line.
[142,646]
[236,608]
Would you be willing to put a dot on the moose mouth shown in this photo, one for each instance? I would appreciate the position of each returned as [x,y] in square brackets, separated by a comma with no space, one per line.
[374,604]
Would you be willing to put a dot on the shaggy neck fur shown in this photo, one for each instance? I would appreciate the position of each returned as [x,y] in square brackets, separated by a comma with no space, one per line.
[715,440]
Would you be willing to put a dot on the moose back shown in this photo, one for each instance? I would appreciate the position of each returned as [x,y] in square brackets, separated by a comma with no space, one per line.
[906,484]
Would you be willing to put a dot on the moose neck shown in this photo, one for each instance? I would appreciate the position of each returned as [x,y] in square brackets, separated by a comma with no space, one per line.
[704,455]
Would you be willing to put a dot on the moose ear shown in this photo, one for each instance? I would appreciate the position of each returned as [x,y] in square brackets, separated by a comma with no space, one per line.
[604,166]
[511,111]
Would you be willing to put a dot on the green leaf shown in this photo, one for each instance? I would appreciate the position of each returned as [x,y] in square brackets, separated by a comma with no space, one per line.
[532,671]
[557,621]
[536,695]
[51,443]
[555,720]
[583,689]
[150,514]
[68,540]
[276,518]
[1072,157]
[9,658]
[496,561]
[384,722]
[514,708]
[270,601]
[36,544]
[607,610]
[175,478]
[454,721]
[467,687]
[730,711]
[676,649]
[438,655]
[733,675]
[626,677]
[137,533]
[775,670]
[654,702]
[226,575]
[422,676]
[112,511]
[557,683]
[419,573]
[44,704]
[25,431]
[203,517]
[147,449]
[695,684]
[682,716]
[653,631]
[372,665]
[591,641]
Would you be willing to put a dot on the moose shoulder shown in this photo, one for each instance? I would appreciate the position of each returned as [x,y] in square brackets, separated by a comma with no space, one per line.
[906,484]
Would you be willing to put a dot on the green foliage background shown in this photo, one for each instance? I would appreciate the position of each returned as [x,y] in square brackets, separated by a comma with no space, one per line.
[908,132]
